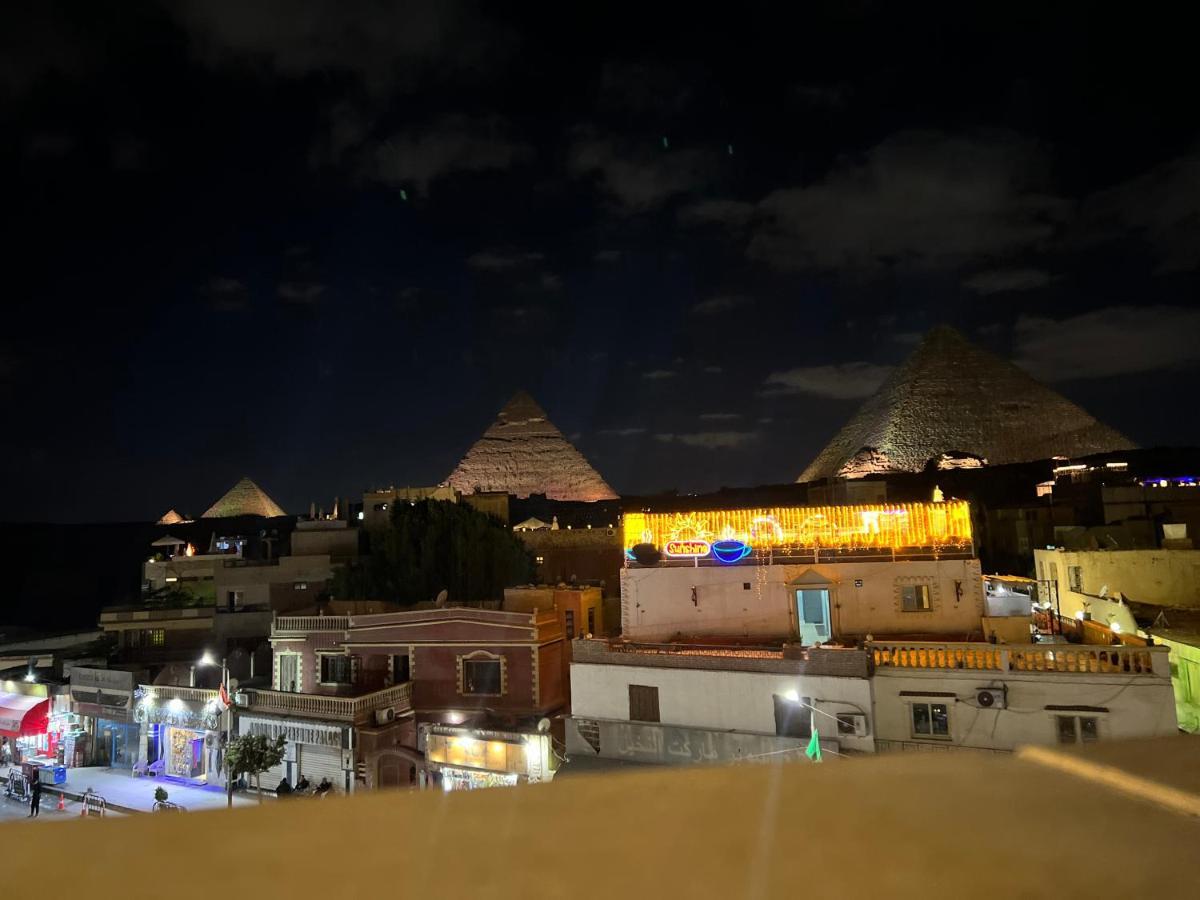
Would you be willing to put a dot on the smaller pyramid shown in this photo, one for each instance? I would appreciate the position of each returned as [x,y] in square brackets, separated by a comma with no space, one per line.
[244,499]
[523,453]
[170,517]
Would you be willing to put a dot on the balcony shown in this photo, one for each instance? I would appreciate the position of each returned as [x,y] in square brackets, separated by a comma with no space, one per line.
[166,692]
[351,710]
[300,625]
[1081,659]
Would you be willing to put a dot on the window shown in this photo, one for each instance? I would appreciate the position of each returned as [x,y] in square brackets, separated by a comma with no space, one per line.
[401,669]
[289,672]
[1077,729]
[931,720]
[914,598]
[155,637]
[569,617]
[745,585]
[336,669]
[793,716]
[481,677]
[643,703]
[300,586]
[1075,577]
[591,620]
[540,560]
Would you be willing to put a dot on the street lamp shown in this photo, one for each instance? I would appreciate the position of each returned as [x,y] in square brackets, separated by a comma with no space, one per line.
[209,660]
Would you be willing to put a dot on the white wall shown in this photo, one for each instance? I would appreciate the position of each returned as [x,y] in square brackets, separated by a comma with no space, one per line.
[718,700]
[1162,577]
[656,602]
[1138,706]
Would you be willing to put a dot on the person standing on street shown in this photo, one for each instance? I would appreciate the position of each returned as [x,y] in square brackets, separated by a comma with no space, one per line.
[35,796]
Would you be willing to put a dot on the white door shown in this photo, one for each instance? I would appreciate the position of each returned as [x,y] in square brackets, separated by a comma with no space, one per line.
[289,672]
[812,615]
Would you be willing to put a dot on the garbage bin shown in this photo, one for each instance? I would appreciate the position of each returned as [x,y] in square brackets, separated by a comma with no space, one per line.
[53,774]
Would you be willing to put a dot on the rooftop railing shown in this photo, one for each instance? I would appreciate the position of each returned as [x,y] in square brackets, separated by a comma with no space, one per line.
[1047,658]
[342,709]
[298,624]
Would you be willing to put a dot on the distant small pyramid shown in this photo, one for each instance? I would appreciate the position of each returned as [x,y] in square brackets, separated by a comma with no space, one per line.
[170,517]
[244,499]
[522,454]
[951,396]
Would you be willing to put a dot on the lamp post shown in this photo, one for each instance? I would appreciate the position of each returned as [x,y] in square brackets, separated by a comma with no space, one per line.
[227,732]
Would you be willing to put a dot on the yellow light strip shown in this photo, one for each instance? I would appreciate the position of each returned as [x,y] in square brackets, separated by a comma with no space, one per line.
[884,526]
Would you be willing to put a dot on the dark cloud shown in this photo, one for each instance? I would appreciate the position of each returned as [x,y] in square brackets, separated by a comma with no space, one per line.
[607,256]
[839,381]
[729,213]
[919,199]
[225,294]
[383,44]
[301,293]
[824,96]
[453,144]
[643,88]
[659,374]
[1116,340]
[1160,207]
[710,440]
[997,281]
[719,304]
[503,260]
[638,176]
[621,432]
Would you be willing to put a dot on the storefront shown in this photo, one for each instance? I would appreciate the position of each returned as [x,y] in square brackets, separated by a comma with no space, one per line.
[469,758]
[24,720]
[106,734]
[179,738]
[48,747]
[314,750]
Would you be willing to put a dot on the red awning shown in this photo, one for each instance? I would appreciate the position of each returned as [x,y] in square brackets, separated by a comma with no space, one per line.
[21,715]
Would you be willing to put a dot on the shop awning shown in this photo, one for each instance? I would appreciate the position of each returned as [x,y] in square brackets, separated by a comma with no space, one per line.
[21,715]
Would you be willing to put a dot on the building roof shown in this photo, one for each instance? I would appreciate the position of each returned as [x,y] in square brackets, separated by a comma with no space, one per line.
[951,396]
[523,453]
[244,499]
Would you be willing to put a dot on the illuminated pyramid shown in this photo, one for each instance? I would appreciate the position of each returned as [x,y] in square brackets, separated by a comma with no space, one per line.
[522,454]
[951,397]
[244,499]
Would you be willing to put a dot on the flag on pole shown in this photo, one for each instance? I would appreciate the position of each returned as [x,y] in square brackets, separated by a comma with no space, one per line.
[223,698]
[814,747]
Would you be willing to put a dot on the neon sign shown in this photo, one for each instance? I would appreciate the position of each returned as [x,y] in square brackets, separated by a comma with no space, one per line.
[692,549]
[730,551]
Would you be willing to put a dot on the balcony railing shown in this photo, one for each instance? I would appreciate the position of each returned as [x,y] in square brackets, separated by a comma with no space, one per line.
[163,692]
[1050,658]
[342,709]
[311,623]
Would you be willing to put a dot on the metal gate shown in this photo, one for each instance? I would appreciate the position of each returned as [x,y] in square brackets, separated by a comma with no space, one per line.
[316,762]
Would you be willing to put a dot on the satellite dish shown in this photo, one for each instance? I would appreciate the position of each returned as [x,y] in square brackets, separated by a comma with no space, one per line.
[543,725]
[442,596]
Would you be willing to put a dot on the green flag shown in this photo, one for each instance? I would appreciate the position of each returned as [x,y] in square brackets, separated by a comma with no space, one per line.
[814,747]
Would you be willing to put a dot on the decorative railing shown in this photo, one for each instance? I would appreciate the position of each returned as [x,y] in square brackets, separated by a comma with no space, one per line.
[345,709]
[1070,658]
[163,692]
[311,623]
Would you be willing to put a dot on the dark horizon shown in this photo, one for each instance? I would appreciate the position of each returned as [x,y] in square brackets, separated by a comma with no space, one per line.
[322,246]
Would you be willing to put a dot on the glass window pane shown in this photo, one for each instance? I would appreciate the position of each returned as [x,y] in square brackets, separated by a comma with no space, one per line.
[812,605]
[941,719]
[1087,730]
[920,714]
[1066,729]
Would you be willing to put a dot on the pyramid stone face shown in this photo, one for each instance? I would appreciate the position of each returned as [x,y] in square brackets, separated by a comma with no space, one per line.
[170,517]
[951,397]
[522,454]
[244,499]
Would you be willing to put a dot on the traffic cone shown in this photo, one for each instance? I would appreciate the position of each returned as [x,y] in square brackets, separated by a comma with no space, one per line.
[62,801]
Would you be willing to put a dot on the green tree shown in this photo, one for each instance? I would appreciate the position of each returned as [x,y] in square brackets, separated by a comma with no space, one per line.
[437,545]
[253,754]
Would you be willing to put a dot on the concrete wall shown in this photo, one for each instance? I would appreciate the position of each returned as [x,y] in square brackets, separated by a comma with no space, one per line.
[718,700]
[1162,577]
[588,554]
[276,586]
[656,602]
[1137,707]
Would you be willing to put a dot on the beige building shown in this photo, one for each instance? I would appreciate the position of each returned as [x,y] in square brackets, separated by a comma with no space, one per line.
[930,696]
[378,503]
[1092,583]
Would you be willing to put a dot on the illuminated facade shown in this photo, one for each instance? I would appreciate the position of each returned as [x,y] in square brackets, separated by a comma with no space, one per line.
[728,536]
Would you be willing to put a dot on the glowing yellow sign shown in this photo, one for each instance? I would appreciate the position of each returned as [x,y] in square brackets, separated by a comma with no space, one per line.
[687,548]
[843,527]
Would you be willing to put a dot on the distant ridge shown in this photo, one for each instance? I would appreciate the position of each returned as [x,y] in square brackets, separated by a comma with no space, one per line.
[523,453]
[952,397]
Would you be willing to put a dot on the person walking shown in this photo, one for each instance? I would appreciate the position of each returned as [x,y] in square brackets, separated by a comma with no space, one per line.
[35,796]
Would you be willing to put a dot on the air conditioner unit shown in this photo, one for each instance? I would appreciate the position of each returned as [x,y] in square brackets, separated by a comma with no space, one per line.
[385,716]
[991,698]
[857,721]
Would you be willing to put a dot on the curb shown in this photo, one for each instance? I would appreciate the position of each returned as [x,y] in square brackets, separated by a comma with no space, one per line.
[78,798]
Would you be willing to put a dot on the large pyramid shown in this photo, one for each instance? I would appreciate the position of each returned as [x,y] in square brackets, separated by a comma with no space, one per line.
[522,454]
[952,397]
[244,499]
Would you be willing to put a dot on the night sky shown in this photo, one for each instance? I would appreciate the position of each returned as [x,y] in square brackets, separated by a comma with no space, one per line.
[321,243]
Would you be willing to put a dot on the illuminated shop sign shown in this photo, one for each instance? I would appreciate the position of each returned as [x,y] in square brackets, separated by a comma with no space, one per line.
[730,551]
[687,548]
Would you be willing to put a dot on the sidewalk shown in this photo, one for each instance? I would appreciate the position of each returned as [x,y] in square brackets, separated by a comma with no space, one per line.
[123,792]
